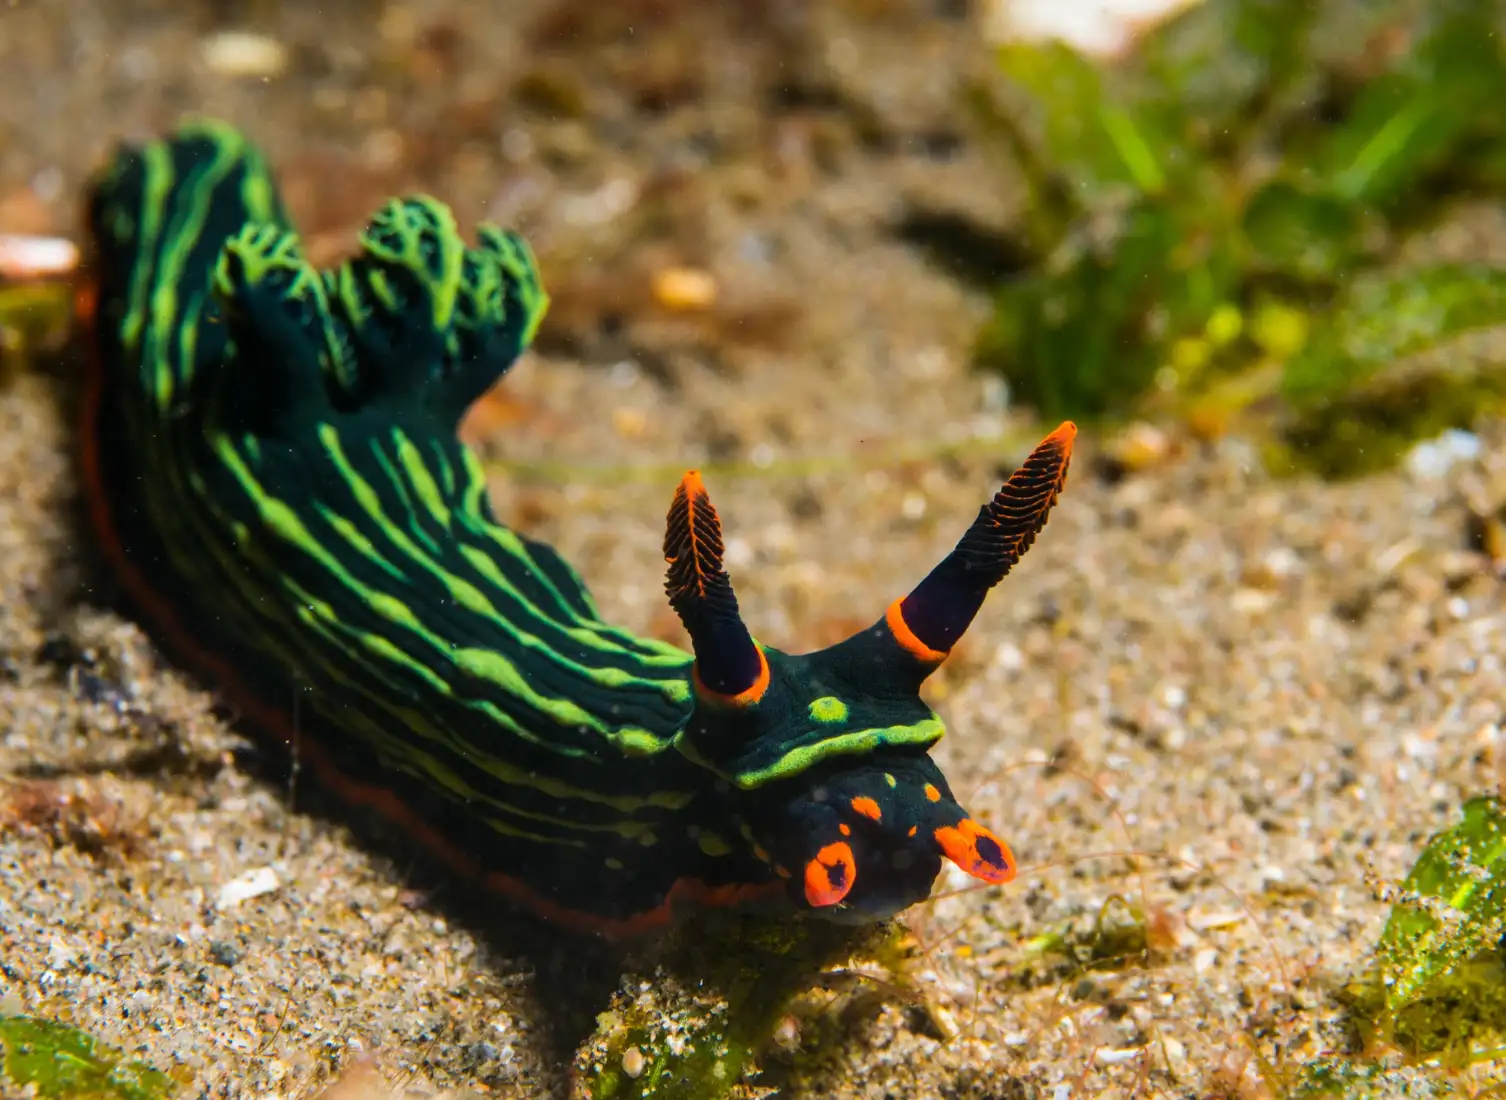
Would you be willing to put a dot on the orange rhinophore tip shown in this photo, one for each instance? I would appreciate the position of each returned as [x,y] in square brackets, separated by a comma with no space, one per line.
[693,545]
[1063,436]
[1019,509]
[830,875]
[977,851]
[729,665]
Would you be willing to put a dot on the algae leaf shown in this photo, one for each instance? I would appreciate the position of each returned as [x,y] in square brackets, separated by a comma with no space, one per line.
[1224,69]
[64,1063]
[1396,359]
[1415,120]
[1453,906]
[1090,138]
[1384,317]
[1302,233]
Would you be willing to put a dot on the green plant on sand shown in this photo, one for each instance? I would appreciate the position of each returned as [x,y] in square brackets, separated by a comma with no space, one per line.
[1219,224]
[1438,988]
[1434,995]
[63,1063]
[705,1037]
[34,317]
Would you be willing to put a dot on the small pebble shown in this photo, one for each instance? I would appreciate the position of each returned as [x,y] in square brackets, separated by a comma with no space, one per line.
[25,257]
[225,953]
[684,289]
[1204,922]
[252,884]
[240,53]
[1434,458]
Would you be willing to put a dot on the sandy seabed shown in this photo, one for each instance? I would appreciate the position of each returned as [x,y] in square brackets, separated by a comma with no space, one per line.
[1281,688]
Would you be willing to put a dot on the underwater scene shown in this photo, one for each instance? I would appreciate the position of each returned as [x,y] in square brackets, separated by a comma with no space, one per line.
[741,549]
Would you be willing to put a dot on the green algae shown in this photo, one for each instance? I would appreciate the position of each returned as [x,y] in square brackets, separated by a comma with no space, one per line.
[704,1027]
[64,1063]
[1219,225]
[1438,986]
[1118,937]
[1432,1001]
[34,317]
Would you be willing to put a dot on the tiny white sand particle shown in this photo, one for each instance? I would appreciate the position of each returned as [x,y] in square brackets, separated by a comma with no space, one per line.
[1222,918]
[607,203]
[942,1017]
[252,884]
[1251,601]
[1417,747]
[1283,562]
[957,878]
[739,552]
[48,183]
[1009,658]
[1434,458]
[1176,1056]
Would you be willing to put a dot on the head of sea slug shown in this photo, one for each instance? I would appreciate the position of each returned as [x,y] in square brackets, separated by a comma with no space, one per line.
[825,754]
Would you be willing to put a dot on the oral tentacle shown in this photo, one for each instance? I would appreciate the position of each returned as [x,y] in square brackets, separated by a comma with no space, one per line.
[830,875]
[976,851]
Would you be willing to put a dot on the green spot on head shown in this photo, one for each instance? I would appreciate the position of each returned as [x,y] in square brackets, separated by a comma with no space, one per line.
[889,779]
[828,708]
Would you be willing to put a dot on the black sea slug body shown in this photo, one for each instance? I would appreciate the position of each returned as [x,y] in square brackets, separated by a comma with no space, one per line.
[271,465]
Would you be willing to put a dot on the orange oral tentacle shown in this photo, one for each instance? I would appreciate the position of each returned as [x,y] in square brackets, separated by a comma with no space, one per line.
[830,875]
[977,851]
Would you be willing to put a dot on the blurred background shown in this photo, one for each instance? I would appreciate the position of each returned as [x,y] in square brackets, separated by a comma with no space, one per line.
[851,258]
